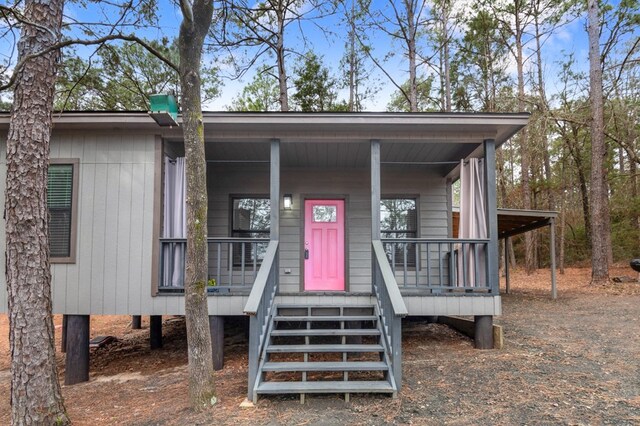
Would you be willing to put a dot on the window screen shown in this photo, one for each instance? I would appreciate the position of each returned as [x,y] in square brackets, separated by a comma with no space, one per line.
[399,219]
[59,197]
[251,218]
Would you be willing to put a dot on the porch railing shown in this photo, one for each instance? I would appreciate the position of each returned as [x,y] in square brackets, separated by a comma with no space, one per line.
[391,309]
[441,264]
[233,263]
[259,308]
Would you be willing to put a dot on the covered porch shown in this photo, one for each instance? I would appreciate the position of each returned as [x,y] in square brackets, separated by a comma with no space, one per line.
[414,160]
[341,219]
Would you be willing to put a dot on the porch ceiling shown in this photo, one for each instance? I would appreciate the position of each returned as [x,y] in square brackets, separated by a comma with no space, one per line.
[347,154]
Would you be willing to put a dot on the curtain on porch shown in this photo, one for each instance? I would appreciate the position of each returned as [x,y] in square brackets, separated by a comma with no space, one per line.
[175,223]
[473,222]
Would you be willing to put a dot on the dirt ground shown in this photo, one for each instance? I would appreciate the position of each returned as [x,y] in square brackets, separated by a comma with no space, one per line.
[573,361]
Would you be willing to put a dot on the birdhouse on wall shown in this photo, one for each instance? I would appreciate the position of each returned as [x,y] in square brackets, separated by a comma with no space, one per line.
[164,109]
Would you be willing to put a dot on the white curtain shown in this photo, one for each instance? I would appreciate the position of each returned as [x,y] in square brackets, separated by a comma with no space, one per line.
[473,222]
[175,223]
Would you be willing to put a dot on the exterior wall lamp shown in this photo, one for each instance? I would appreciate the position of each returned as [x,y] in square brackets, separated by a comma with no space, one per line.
[288,201]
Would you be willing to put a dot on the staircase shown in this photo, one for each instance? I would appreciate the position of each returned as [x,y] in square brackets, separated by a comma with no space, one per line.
[324,349]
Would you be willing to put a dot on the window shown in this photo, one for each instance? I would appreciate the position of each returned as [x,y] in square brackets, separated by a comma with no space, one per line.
[399,219]
[251,218]
[61,196]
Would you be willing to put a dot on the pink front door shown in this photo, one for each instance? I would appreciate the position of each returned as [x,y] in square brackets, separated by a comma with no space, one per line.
[323,245]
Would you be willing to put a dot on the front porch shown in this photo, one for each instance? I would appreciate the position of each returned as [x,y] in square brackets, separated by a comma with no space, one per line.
[398,253]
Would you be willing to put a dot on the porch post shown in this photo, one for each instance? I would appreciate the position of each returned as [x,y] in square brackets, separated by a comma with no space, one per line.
[136,322]
[491,214]
[155,331]
[216,328]
[77,345]
[275,190]
[375,190]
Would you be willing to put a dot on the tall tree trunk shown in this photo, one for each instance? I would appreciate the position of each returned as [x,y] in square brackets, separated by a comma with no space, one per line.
[633,175]
[411,47]
[524,148]
[446,10]
[35,391]
[282,71]
[193,31]
[563,213]
[544,114]
[352,58]
[599,196]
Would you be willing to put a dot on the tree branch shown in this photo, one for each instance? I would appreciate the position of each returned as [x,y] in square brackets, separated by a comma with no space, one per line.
[66,43]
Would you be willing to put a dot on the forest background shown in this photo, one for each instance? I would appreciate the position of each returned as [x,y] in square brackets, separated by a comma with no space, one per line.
[408,55]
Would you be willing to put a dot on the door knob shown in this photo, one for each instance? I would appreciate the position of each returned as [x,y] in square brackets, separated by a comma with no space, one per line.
[306,253]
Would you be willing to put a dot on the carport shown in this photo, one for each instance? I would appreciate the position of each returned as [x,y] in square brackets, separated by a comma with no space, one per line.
[513,222]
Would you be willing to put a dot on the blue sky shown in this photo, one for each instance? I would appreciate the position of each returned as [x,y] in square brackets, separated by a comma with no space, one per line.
[569,38]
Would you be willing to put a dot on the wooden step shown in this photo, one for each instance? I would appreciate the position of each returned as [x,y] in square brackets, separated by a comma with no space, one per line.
[325,366]
[325,318]
[324,348]
[327,332]
[378,386]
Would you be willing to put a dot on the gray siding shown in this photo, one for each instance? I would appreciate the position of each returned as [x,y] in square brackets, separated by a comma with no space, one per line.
[354,184]
[112,271]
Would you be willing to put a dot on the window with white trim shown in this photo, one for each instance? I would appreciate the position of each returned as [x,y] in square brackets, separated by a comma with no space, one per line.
[60,199]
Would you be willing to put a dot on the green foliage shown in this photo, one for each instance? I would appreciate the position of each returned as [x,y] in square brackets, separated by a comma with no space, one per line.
[122,76]
[259,95]
[400,103]
[315,88]
[480,64]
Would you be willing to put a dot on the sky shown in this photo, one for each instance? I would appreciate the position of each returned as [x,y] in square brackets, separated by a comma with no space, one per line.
[326,37]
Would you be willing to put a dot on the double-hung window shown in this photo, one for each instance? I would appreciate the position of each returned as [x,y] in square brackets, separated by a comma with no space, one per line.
[61,199]
[399,219]
[250,218]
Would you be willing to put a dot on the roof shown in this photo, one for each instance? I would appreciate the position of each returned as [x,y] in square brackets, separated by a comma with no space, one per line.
[449,127]
[444,138]
[513,221]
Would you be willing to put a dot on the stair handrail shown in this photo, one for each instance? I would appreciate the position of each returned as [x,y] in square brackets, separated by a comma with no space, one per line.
[391,308]
[389,280]
[259,307]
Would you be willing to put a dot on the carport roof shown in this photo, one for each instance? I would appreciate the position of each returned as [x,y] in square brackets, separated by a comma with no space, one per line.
[513,221]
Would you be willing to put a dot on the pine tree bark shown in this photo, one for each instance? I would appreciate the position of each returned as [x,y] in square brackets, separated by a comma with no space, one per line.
[282,71]
[524,147]
[412,53]
[35,391]
[193,31]
[599,196]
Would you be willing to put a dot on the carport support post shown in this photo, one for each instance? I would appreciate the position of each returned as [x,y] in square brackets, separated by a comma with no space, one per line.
[77,345]
[155,331]
[552,251]
[483,331]
[216,328]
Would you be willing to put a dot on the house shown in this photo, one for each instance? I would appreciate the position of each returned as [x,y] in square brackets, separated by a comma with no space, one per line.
[326,229]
